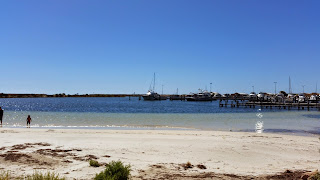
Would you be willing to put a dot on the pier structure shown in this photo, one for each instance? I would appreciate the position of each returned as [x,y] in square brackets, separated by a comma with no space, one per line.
[270,105]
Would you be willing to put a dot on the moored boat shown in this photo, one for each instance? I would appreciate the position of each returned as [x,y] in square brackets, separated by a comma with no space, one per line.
[201,96]
[151,95]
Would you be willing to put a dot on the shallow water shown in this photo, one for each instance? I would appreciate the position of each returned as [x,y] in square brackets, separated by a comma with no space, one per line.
[120,113]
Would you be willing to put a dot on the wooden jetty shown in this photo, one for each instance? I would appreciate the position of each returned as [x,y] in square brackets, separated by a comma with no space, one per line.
[177,97]
[269,105]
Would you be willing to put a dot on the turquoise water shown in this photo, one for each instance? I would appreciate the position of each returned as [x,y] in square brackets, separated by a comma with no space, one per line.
[120,113]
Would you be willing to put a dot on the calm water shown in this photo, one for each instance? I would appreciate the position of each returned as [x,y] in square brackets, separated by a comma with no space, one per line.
[120,113]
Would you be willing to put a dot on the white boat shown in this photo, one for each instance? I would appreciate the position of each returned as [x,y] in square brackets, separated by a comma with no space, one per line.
[313,98]
[262,96]
[290,98]
[302,98]
[151,95]
[201,96]
[216,95]
[280,97]
[252,96]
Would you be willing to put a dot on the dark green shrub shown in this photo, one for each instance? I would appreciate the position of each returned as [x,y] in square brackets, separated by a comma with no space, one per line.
[115,170]
[94,163]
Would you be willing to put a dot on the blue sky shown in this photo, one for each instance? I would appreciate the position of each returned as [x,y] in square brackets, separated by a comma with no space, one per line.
[80,46]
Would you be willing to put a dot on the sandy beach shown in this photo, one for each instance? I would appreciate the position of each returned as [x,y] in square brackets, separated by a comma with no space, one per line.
[156,154]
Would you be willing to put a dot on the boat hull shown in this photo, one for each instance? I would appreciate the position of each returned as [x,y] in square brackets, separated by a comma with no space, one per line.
[198,99]
[153,98]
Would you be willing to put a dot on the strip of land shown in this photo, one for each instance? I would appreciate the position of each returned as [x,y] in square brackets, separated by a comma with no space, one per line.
[3,95]
[157,154]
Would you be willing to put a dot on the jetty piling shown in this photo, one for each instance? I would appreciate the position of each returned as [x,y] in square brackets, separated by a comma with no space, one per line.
[269,104]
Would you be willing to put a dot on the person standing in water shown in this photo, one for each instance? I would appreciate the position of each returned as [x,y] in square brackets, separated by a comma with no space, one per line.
[28,121]
[1,115]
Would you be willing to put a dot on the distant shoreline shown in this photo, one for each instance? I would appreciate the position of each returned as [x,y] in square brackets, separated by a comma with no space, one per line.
[3,95]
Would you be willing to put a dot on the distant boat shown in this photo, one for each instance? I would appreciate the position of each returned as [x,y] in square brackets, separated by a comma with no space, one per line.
[253,96]
[262,96]
[201,96]
[313,98]
[302,98]
[151,95]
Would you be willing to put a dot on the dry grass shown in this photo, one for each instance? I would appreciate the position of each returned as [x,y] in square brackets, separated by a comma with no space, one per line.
[5,175]
[45,176]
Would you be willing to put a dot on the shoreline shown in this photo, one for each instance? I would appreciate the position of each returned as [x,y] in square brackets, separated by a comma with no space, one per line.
[221,152]
[163,128]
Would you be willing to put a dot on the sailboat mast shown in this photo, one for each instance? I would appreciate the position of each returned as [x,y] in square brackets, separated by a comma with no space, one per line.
[290,90]
[154,80]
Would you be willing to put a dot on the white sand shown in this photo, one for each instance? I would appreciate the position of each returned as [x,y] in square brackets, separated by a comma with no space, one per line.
[239,153]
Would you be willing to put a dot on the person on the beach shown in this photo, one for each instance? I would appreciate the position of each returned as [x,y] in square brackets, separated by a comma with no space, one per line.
[28,121]
[1,115]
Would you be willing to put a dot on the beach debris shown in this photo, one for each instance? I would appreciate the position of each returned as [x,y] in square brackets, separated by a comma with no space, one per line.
[12,151]
[311,175]
[90,157]
[38,144]
[14,157]
[28,145]
[288,171]
[173,171]
[55,152]
[25,159]
[157,166]
[77,149]
[107,156]
[79,158]
[19,147]
[67,161]
[187,165]
[201,166]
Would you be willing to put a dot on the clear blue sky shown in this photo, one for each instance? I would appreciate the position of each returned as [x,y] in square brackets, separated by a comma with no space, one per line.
[81,46]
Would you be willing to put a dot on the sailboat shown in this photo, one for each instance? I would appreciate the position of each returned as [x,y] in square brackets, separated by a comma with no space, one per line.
[151,95]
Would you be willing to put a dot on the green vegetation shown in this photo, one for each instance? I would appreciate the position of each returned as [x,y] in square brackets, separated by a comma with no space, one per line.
[94,163]
[115,170]
[315,177]
[46,176]
[4,175]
